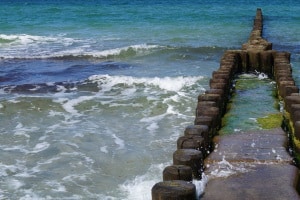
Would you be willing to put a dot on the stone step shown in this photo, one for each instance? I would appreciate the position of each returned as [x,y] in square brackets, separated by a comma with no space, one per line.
[251,165]
[260,181]
[263,146]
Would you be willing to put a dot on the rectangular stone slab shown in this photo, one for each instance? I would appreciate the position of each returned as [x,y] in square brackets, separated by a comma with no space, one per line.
[263,182]
[251,165]
[259,146]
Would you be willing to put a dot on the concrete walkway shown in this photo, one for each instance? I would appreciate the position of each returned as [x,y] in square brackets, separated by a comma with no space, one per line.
[251,165]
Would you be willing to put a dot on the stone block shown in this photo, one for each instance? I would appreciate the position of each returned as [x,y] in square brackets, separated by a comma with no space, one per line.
[173,190]
[178,172]
[190,157]
[196,142]
[289,100]
[297,130]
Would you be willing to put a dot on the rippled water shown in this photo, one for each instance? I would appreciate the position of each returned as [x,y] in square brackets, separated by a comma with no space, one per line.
[93,95]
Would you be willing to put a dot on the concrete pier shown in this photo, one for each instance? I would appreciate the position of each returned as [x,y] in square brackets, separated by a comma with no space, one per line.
[247,165]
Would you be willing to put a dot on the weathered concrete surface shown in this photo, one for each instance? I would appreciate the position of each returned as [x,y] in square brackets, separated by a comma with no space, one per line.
[251,165]
[262,182]
[252,146]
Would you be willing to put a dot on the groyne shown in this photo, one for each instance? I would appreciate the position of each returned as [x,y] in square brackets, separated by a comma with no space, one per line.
[261,163]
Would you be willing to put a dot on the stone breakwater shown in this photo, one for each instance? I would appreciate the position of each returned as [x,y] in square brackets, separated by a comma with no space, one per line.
[201,150]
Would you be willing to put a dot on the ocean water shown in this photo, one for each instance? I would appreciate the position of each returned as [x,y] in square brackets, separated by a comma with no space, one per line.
[94,94]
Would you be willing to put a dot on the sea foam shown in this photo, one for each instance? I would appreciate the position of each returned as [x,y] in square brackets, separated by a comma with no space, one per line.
[41,47]
[140,187]
[165,83]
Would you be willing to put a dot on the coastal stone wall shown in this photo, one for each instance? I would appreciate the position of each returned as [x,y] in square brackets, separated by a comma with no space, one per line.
[195,145]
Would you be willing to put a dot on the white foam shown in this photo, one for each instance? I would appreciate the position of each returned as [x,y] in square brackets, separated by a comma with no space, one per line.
[15,148]
[20,130]
[200,185]
[152,127]
[248,75]
[53,113]
[30,195]
[36,46]
[262,76]
[104,149]
[139,188]
[14,184]
[79,134]
[257,74]
[23,38]
[40,147]
[226,169]
[128,92]
[56,186]
[35,88]
[118,51]
[171,110]
[85,50]
[14,101]
[6,169]
[70,104]
[2,194]
[176,84]
[119,142]
[61,88]
[49,161]
[153,119]
[253,119]
[72,178]
[175,98]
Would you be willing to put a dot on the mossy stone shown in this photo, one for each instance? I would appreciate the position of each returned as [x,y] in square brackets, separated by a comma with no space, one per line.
[271,121]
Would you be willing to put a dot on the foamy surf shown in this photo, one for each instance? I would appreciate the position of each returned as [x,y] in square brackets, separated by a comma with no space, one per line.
[166,83]
[139,188]
[60,46]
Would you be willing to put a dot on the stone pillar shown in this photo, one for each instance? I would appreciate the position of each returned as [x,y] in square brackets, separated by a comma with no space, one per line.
[193,142]
[189,157]
[297,130]
[289,100]
[267,62]
[178,172]
[174,190]
[254,61]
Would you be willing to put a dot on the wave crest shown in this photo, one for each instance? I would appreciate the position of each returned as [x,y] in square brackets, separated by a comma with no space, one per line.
[23,46]
[165,83]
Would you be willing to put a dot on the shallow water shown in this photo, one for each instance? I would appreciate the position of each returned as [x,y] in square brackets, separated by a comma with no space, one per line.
[253,98]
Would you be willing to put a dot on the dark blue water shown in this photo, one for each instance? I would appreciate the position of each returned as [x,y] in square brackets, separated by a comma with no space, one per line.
[94,94]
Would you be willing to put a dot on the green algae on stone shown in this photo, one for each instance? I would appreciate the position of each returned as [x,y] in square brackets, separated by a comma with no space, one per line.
[271,121]
[295,146]
[251,81]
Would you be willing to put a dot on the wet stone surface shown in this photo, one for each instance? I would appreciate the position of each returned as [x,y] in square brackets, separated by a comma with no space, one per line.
[262,182]
[254,146]
[251,165]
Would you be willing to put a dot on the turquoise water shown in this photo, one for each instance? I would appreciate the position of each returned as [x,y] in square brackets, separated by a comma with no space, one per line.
[94,94]
[253,98]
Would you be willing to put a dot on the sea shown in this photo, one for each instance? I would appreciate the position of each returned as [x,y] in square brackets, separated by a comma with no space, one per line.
[95,93]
